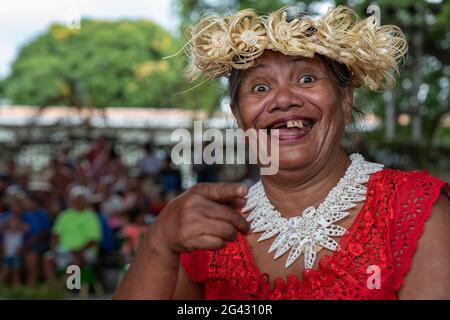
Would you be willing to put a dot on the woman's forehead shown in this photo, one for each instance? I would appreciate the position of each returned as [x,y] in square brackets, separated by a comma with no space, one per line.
[276,55]
[271,59]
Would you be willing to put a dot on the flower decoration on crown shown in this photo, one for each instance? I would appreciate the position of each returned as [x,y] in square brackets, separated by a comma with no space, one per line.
[372,53]
[248,38]
[289,37]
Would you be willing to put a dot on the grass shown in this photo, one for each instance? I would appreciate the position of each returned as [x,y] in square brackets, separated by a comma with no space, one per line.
[41,292]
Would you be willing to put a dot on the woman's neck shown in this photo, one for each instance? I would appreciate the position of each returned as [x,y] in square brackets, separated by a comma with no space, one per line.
[291,192]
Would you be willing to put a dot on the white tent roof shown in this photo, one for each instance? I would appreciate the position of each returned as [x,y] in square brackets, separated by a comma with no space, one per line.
[147,118]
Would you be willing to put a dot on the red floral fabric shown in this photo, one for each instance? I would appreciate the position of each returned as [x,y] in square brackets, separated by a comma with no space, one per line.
[384,234]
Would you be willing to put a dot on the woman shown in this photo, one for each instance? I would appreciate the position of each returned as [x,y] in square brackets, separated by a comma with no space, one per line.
[338,227]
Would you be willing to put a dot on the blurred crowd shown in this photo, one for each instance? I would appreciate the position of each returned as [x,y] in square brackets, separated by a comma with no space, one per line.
[90,211]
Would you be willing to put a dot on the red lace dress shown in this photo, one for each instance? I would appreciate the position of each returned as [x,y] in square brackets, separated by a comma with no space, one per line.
[383,234]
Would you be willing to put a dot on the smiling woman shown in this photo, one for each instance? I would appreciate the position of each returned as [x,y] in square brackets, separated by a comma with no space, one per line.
[328,225]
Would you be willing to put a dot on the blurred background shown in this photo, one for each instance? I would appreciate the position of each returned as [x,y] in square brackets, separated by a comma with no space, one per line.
[88,104]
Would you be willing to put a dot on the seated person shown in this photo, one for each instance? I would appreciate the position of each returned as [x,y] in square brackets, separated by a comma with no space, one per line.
[75,235]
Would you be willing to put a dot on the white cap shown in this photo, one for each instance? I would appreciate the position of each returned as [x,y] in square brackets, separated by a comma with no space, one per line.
[82,191]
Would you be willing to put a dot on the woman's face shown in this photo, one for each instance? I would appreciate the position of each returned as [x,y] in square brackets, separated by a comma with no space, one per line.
[302,99]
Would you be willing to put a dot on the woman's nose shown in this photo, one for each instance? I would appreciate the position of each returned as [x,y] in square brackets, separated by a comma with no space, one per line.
[285,98]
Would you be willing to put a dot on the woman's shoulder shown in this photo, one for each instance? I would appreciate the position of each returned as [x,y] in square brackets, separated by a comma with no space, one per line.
[407,196]
[410,194]
[431,252]
[410,183]
[417,206]
[404,174]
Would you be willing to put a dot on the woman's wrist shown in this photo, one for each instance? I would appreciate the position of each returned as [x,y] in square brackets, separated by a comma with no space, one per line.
[155,245]
[152,261]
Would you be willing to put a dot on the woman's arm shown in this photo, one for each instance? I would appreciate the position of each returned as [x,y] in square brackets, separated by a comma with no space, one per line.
[429,276]
[153,273]
[172,281]
[187,289]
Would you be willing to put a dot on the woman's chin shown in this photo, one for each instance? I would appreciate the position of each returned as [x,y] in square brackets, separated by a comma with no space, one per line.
[295,158]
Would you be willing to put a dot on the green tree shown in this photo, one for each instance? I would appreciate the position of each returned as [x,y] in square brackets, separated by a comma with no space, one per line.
[190,10]
[423,87]
[105,63]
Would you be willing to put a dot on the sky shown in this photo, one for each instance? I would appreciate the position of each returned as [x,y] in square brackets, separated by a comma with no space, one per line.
[21,20]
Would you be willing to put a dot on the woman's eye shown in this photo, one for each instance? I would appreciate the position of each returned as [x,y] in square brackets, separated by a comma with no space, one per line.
[307,79]
[261,88]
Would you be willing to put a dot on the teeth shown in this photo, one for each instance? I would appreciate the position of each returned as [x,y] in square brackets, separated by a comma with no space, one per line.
[295,123]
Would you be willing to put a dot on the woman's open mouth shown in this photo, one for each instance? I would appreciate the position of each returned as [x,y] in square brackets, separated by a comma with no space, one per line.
[291,129]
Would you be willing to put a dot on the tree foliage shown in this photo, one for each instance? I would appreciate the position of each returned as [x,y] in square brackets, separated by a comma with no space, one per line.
[105,63]
[423,88]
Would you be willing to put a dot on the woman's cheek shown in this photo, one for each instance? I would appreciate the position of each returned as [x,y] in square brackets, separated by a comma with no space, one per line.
[250,111]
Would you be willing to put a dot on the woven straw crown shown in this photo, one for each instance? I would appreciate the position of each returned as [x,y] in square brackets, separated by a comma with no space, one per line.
[372,53]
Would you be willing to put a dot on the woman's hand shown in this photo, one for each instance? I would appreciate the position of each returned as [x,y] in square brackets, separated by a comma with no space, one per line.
[204,217]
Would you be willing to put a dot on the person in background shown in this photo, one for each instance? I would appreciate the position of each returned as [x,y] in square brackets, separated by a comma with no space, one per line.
[170,177]
[9,170]
[207,172]
[60,177]
[14,201]
[63,156]
[133,231]
[97,149]
[22,177]
[76,235]
[150,164]
[12,204]
[111,207]
[158,201]
[109,169]
[137,190]
[13,232]
[36,240]
[4,183]
[44,197]
[107,245]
